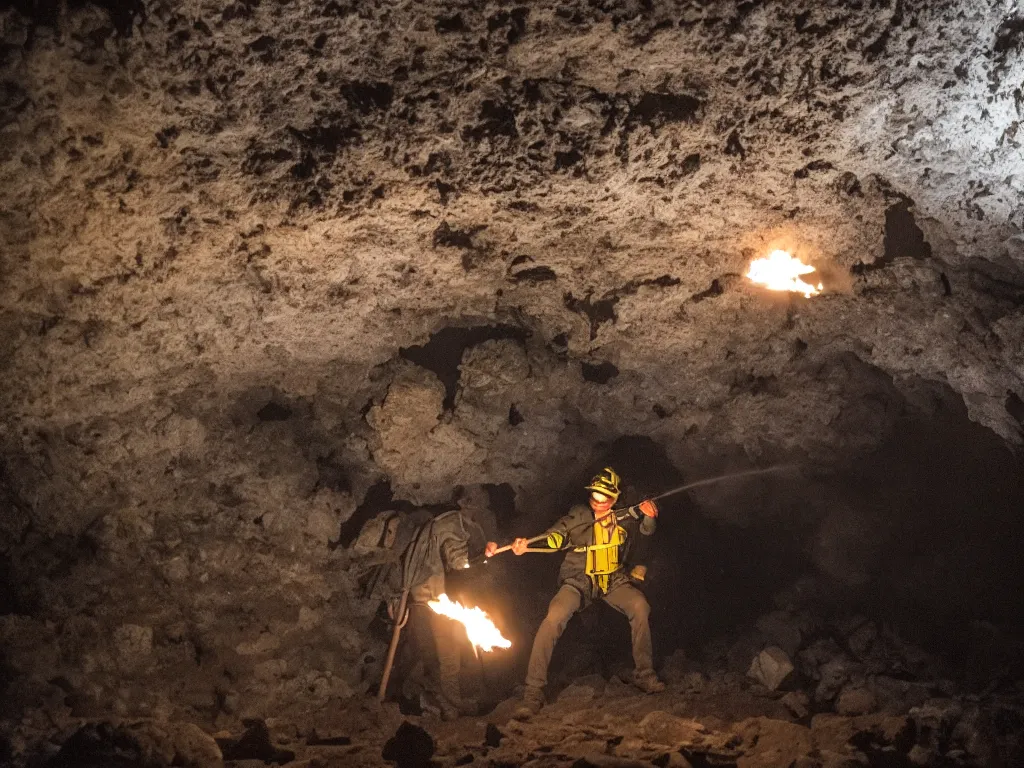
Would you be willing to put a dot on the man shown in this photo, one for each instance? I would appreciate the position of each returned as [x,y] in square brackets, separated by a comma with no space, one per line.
[413,552]
[594,569]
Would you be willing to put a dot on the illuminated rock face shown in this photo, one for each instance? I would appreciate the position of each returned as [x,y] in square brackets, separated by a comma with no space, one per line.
[264,262]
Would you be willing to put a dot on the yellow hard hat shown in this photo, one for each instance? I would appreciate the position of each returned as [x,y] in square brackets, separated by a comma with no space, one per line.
[607,482]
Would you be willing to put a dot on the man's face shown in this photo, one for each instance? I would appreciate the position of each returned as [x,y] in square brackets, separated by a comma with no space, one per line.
[601,505]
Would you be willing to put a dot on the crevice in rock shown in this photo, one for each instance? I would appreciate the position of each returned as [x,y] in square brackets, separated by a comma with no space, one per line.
[1009,36]
[534,275]
[902,235]
[713,290]
[515,418]
[442,354]
[379,497]
[997,280]
[733,146]
[274,411]
[331,474]
[596,312]
[1015,407]
[255,744]
[514,22]
[496,119]
[368,97]
[47,13]
[603,310]
[754,384]
[657,109]
[503,503]
[814,165]
[599,373]
[447,236]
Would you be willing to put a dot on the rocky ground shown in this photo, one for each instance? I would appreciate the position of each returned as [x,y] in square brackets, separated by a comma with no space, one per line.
[268,267]
[848,693]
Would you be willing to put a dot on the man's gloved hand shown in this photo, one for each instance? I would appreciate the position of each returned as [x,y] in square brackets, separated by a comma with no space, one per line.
[519,546]
[490,548]
[649,508]
[638,573]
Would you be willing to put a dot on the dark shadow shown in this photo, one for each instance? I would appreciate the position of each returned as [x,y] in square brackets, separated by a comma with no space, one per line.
[442,354]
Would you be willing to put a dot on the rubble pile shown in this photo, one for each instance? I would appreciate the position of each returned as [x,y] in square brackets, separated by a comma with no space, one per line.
[854,694]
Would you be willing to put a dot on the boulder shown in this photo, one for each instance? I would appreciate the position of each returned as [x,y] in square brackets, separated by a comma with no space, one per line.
[663,728]
[771,667]
[855,700]
[832,676]
[829,759]
[694,682]
[880,731]
[583,690]
[410,747]
[935,720]
[895,695]
[138,744]
[768,742]
[741,652]
[798,703]
[782,629]
[255,744]
[922,756]
[674,668]
[862,638]
[810,660]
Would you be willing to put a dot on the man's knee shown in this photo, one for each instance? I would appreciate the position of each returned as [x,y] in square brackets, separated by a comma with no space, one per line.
[560,610]
[634,605]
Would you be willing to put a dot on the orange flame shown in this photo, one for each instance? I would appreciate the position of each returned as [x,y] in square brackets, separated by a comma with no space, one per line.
[780,271]
[479,628]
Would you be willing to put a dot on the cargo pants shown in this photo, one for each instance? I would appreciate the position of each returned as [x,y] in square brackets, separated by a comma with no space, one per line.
[624,598]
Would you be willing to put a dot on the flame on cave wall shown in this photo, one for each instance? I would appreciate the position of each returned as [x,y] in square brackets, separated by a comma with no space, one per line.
[781,271]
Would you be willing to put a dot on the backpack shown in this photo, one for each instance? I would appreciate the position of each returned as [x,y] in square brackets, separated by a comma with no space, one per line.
[377,536]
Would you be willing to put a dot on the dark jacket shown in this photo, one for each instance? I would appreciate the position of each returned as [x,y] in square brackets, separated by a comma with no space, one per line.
[438,545]
[577,528]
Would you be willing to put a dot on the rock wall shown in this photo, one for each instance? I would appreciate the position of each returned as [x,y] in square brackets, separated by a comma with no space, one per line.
[260,257]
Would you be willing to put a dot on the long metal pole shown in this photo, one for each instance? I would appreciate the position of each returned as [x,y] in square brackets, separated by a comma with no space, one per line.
[696,484]
[389,662]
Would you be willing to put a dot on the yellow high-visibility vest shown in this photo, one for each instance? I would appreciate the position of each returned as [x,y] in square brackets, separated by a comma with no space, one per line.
[603,554]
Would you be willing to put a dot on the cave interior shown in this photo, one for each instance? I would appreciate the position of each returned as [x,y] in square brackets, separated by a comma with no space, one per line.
[271,268]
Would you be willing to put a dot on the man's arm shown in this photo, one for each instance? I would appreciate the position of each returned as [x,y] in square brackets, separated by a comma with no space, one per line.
[647,513]
[455,552]
[556,536]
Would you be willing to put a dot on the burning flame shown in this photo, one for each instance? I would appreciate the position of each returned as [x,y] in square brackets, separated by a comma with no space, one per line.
[479,628]
[780,271]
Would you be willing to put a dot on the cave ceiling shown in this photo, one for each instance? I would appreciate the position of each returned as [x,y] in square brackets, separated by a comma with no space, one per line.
[228,228]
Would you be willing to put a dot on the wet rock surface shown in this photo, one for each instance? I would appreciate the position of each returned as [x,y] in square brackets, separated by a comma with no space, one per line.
[270,268]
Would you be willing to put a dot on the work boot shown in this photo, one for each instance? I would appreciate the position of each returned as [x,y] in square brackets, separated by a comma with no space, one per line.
[648,682]
[533,700]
